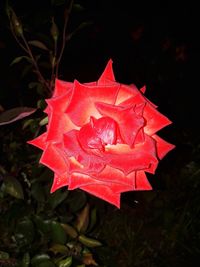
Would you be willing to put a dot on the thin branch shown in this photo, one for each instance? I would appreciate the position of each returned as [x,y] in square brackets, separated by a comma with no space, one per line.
[17,40]
[68,11]
[53,65]
[41,78]
[25,46]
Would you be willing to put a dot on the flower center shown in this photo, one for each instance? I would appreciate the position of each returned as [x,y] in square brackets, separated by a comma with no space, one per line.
[98,133]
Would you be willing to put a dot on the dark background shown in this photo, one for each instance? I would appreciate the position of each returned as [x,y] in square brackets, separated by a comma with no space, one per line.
[150,43]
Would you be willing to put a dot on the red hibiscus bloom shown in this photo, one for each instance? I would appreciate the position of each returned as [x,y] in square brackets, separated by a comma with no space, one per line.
[101,137]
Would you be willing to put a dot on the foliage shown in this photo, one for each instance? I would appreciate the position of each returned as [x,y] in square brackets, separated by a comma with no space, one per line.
[39,228]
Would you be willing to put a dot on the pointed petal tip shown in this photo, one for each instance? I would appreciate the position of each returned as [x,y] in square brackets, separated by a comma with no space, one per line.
[142,183]
[39,141]
[117,204]
[58,182]
[108,74]
[53,189]
[143,89]
[163,147]
[32,142]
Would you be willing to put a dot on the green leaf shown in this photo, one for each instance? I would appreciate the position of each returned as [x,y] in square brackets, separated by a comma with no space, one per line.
[46,264]
[84,24]
[41,104]
[57,198]
[66,262]
[88,259]
[13,187]
[58,233]
[4,255]
[42,260]
[15,114]
[93,219]
[27,123]
[32,85]
[78,7]
[44,226]
[89,242]
[26,260]
[39,258]
[57,248]
[38,44]
[76,200]
[69,230]
[25,232]
[37,192]
[83,219]
[43,121]
[18,59]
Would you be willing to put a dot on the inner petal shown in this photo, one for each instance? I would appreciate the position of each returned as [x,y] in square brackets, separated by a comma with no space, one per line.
[98,133]
[82,102]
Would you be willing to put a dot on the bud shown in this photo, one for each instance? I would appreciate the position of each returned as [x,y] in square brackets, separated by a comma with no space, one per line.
[54,30]
[15,22]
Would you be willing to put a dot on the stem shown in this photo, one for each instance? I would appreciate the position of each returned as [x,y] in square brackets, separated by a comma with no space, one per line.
[53,65]
[40,76]
[17,40]
[27,49]
[68,11]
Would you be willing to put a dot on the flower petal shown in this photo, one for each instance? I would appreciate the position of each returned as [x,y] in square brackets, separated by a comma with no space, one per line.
[78,179]
[142,182]
[126,92]
[39,141]
[59,181]
[62,87]
[59,103]
[138,158]
[113,175]
[97,188]
[59,123]
[120,188]
[152,167]
[71,144]
[108,75]
[82,104]
[137,99]
[80,159]
[128,120]
[53,158]
[97,133]
[109,176]
[140,137]
[101,137]
[143,89]
[154,119]
[163,147]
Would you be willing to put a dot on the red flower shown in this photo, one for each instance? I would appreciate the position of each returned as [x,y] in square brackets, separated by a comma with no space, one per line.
[101,137]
